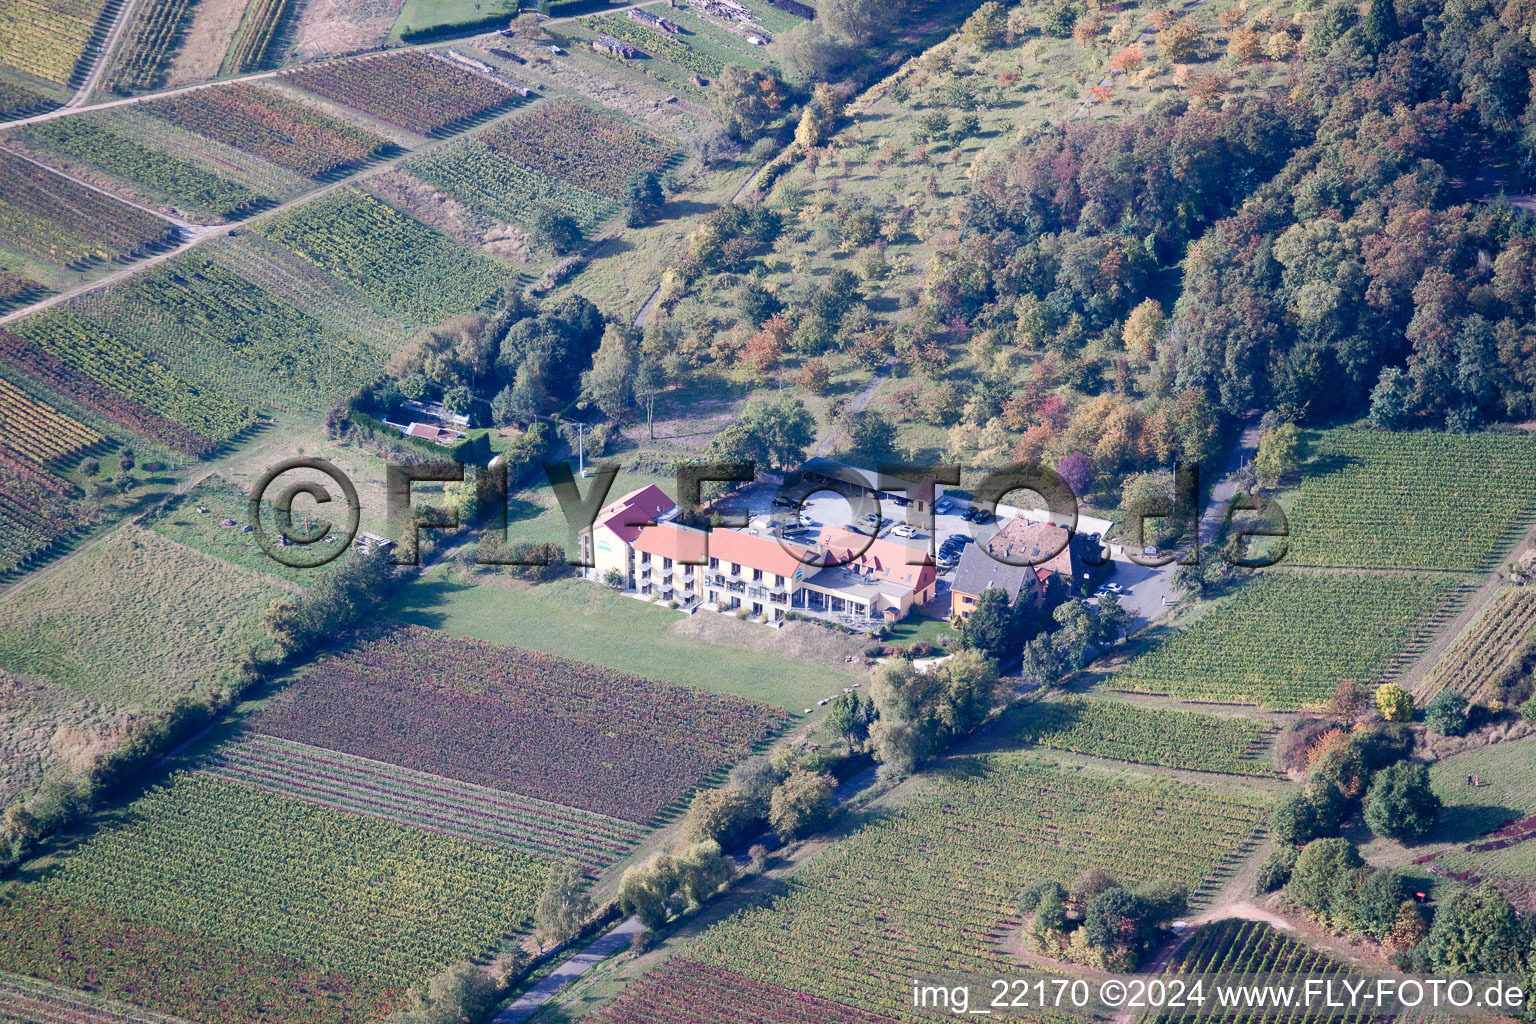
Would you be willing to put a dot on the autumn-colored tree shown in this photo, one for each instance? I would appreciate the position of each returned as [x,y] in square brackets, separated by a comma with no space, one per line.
[814,376]
[1128,60]
[1087,30]
[1163,17]
[1178,41]
[779,328]
[1207,87]
[1101,93]
[1142,330]
[1280,46]
[1244,45]
[1034,443]
[760,355]
[1053,412]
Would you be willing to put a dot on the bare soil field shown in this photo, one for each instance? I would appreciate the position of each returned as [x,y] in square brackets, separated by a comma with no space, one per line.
[332,28]
[433,206]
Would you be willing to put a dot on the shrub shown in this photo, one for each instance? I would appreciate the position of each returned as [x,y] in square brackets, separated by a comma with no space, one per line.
[1275,871]
[1400,803]
[1394,704]
[1446,714]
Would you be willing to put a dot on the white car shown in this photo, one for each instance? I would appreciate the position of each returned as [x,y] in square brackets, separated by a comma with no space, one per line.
[904,530]
[943,507]
[1114,588]
[806,520]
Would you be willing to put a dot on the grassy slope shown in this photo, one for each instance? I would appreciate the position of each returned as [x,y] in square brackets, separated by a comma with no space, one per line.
[588,622]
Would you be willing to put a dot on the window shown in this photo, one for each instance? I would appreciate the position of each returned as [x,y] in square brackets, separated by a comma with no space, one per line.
[735,568]
[645,558]
[778,581]
[757,575]
[666,563]
[714,563]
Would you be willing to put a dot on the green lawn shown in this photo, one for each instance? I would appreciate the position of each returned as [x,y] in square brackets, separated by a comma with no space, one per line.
[588,622]
[918,626]
[534,514]
[420,14]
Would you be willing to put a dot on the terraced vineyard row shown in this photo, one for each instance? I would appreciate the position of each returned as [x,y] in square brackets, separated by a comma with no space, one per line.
[217,329]
[1286,640]
[930,891]
[1480,656]
[581,146]
[257,30]
[1255,949]
[413,90]
[340,892]
[503,188]
[668,48]
[50,218]
[38,430]
[184,183]
[98,398]
[37,509]
[1128,732]
[518,721]
[111,361]
[433,802]
[46,37]
[149,45]
[1411,500]
[36,1002]
[394,260]
[271,126]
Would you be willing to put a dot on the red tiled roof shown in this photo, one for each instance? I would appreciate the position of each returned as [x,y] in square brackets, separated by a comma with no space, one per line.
[891,561]
[668,540]
[765,553]
[634,510]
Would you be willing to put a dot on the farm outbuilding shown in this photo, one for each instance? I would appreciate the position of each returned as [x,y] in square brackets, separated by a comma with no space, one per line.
[654,21]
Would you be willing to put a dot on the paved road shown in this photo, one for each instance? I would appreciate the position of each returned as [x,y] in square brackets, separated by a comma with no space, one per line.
[103,55]
[598,950]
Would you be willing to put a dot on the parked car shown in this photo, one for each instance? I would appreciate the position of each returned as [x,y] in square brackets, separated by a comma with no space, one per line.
[784,501]
[904,530]
[959,540]
[870,522]
[899,501]
[944,506]
[969,515]
[1114,588]
[806,520]
[981,515]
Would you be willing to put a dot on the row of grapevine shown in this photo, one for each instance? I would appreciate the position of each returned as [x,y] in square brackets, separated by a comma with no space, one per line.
[46,37]
[582,146]
[518,721]
[27,999]
[411,89]
[393,260]
[110,405]
[679,991]
[111,361]
[669,48]
[182,182]
[432,802]
[1149,735]
[18,101]
[38,430]
[37,509]
[494,184]
[1481,656]
[50,218]
[929,891]
[1286,639]
[16,289]
[145,53]
[272,126]
[257,30]
[1428,500]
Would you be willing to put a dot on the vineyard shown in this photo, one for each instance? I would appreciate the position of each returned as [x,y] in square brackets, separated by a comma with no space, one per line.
[52,219]
[46,37]
[27,999]
[419,93]
[1126,732]
[580,146]
[1411,500]
[135,620]
[262,122]
[15,289]
[930,891]
[146,51]
[657,44]
[1286,640]
[392,259]
[102,401]
[1480,657]
[183,182]
[16,101]
[37,509]
[518,721]
[112,362]
[257,30]
[213,327]
[662,996]
[346,895]
[490,183]
[37,430]
[430,802]
[198,978]
[1256,949]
